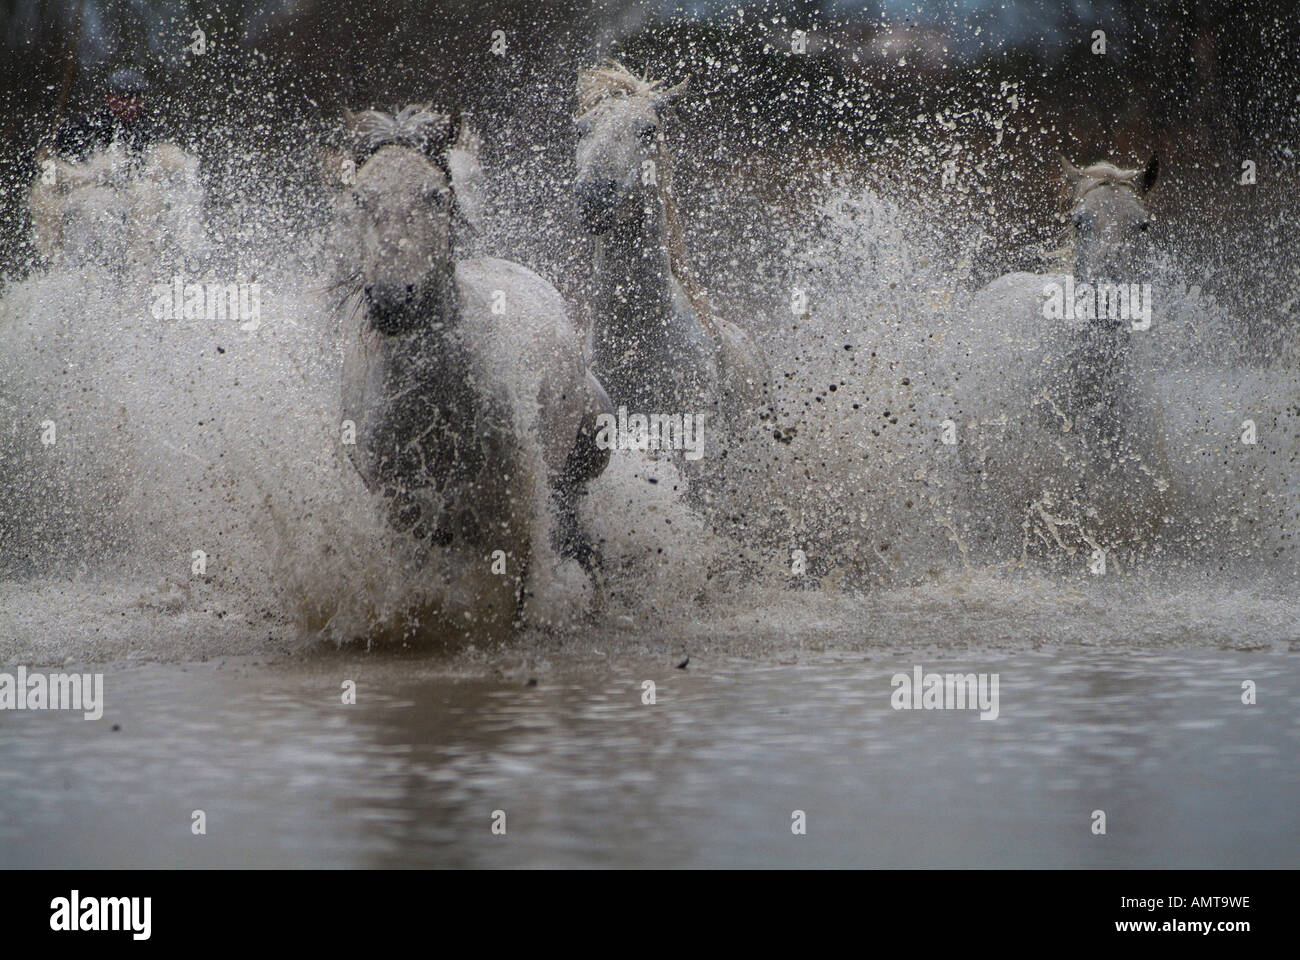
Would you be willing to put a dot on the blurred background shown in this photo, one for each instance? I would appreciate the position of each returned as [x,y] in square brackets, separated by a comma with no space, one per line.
[889,89]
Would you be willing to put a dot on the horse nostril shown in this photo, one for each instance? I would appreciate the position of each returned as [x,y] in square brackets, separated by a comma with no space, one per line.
[410,289]
[597,191]
[370,289]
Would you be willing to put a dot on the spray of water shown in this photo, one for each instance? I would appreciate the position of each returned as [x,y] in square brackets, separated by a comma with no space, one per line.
[178,487]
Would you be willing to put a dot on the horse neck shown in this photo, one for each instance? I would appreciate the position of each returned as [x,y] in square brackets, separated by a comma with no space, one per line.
[1115,268]
[634,277]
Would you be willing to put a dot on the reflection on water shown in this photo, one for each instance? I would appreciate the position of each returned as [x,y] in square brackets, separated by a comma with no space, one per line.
[588,775]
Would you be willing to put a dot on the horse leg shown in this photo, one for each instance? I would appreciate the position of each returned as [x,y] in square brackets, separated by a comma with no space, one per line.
[585,462]
[1100,394]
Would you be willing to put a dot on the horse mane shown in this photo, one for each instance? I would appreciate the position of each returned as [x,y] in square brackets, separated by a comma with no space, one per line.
[1108,171]
[416,125]
[611,79]
[677,258]
[1106,174]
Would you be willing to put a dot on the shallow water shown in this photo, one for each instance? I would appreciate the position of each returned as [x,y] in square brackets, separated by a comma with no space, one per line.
[709,775]
[1119,692]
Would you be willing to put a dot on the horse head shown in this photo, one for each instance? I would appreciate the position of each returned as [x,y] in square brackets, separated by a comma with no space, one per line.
[1109,218]
[620,153]
[401,212]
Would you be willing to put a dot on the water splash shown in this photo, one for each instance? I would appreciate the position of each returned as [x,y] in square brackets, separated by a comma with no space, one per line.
[177,436]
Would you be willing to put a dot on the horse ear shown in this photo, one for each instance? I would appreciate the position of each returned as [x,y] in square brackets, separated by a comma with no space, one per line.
[455,120]
[337,167]
[666,99]
[439,135]
[353,144]
[1071,173]
[1150,174]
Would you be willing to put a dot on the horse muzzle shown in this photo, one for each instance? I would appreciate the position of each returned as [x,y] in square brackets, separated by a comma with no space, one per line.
[598,202]
[393,308]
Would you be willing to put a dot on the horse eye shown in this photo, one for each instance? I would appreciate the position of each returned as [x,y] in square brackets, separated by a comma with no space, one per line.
[1144,226]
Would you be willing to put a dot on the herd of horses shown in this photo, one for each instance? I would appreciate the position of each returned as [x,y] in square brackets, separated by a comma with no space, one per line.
[475,404]
[477,407]
[477,422]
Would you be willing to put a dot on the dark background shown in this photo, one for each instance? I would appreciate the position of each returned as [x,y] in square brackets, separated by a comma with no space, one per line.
[1205,85]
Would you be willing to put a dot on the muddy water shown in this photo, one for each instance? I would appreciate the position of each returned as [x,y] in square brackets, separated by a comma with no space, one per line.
[589,775]
[1119,693]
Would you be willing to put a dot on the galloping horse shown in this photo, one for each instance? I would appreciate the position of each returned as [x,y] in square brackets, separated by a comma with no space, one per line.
[116,210]
[474,411]
[1045,363]
[1076,351]
[654,343]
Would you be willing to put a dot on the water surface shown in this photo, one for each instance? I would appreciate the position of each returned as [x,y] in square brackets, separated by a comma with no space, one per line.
[590,776]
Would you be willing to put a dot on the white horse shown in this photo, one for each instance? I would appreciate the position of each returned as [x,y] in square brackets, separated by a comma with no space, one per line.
[115,209]
[474,410]
[1044,392]
[654,343]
